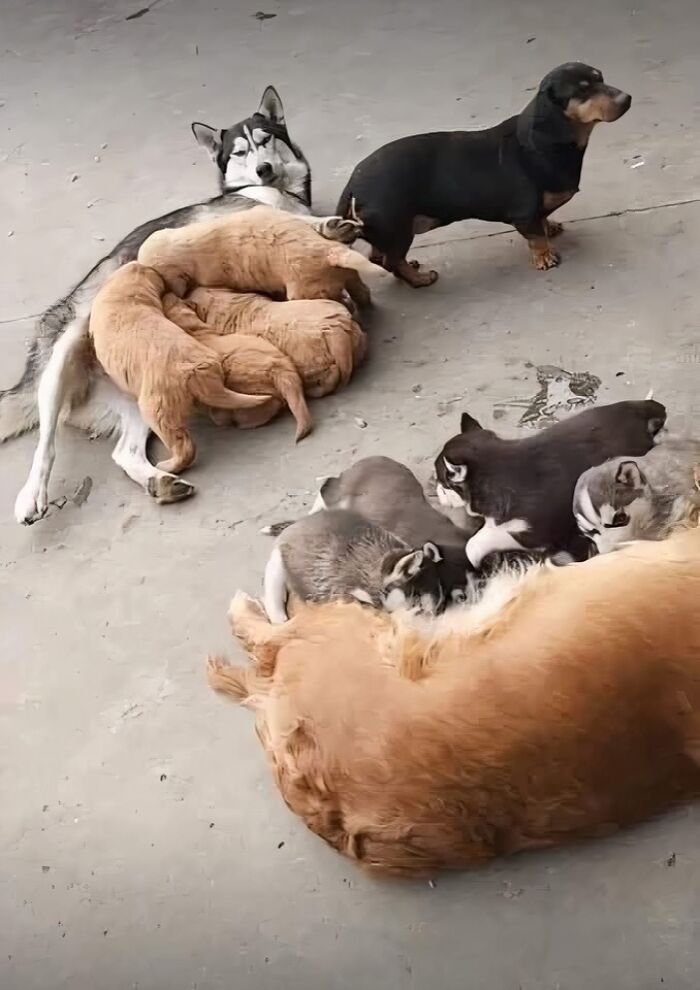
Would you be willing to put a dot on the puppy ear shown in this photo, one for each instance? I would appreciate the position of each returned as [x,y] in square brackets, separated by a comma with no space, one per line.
[209,138]
[406,567]
[432,553]
[456,473]
[468,423]
[629,476]
[271,106]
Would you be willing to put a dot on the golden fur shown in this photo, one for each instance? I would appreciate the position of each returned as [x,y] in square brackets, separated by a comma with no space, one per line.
[152,359]
[567,706]
[318,335]
[250,364]
[258,250]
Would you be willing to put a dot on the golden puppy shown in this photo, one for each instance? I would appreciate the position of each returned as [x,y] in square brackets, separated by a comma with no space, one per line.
[153,360]
[250,365]
[318,335]
[565,704]
[258,250]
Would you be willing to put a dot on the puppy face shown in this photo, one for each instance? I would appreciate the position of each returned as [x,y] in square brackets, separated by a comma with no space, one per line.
[580,91]
[452,466]
[608,501]
[411,580]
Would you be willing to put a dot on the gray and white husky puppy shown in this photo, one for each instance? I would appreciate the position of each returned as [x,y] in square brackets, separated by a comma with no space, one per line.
[641,498]
[335,554]
[257,162]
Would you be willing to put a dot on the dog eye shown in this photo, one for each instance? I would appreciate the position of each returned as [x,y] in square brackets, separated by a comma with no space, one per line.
[584,84]
[265,140]
[240,153]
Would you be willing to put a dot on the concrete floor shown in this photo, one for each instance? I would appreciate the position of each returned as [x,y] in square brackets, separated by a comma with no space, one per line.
[143,844]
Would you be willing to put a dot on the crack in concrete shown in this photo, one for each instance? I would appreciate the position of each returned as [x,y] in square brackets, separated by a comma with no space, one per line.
[494,233]
[567,223]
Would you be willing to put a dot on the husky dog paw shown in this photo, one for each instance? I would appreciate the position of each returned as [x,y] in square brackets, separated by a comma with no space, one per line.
[338,229]
[31,504]
[166,488]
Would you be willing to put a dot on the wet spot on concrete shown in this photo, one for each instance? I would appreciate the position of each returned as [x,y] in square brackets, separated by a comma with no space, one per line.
[560,392]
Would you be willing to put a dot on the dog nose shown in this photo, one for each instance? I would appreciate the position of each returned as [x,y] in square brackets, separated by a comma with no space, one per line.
[264,171]
[625,101]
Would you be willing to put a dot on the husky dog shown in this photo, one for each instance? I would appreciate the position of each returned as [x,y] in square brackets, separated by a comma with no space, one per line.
[338,555]
[645,498]
[257,162]
[523,488]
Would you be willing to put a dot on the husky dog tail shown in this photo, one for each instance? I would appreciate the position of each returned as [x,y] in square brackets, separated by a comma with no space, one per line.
[67,319]
[274,529]
[19,411]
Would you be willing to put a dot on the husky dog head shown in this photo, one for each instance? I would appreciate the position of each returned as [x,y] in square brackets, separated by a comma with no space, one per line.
[258,152]
[612,502]
[411,579]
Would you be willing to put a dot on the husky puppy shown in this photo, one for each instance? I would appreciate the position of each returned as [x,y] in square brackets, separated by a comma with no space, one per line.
[62,379]
[522,489]
[336,555]
[645,498]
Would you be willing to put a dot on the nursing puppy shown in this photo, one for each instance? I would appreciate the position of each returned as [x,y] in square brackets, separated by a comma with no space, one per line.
[646,498]
[336,555]
[251,365]
[150,358]
[259,250]
[389,495]
[565,706]
[318,335]
[523,488]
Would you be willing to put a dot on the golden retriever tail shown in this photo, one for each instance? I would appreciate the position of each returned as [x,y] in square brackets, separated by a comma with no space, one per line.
[341,256]
[340,348]
[286,380]
[207,386]
[233,681]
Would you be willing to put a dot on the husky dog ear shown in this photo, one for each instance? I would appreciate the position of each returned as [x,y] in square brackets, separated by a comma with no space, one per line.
[456,473]
[209,137]
[432,553]
[468,423]
[271,106]
[629,476]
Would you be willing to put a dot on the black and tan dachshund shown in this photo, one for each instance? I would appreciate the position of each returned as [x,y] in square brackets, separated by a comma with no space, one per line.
[516,173]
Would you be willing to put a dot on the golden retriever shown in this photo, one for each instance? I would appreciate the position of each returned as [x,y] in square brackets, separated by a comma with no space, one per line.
[565,704]
[318,335]
[250,364]
[151,358]
[258,250]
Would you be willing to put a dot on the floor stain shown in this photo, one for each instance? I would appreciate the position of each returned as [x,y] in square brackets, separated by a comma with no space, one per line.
[560,392]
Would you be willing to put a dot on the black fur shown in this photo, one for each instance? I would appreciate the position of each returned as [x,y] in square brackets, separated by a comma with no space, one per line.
[499,174]
[534,478]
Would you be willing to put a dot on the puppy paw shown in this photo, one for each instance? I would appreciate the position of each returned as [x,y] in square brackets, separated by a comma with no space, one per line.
[553,228]
[544,260]
[411,272]
[166,488]
[338,229]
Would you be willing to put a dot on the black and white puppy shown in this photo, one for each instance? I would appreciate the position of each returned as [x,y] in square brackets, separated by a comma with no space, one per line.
[523,489]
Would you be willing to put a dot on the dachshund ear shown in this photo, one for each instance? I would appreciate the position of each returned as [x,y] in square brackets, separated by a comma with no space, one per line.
[468,423]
